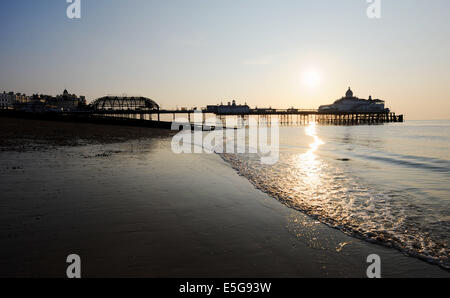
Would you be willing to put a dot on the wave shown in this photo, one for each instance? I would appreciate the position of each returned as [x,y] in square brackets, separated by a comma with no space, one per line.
[441,166]
[333,196]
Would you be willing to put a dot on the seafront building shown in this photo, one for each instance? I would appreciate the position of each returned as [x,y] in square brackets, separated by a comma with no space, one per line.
[42,103]
[352,104]
[65,101]
[6,100]
[10,99]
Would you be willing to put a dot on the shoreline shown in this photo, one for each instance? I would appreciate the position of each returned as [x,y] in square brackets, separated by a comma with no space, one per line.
[135,209]
[342,229]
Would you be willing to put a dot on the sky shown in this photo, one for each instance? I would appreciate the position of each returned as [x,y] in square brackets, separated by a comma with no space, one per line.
[266,53]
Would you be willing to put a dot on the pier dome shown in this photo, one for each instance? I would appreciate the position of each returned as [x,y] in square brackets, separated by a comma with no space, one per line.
[349,93]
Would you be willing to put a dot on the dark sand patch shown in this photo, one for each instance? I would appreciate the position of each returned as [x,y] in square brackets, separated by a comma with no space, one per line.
[21,135]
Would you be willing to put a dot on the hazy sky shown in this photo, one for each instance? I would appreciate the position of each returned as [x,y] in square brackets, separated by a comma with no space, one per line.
[277,53]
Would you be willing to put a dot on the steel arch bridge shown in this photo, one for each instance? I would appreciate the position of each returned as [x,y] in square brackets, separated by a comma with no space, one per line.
[124,103]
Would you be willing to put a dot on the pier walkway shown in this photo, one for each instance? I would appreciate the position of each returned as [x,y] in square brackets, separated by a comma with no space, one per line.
[285,116]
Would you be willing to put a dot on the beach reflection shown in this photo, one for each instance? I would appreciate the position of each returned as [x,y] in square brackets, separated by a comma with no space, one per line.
[311,131]
[307,163]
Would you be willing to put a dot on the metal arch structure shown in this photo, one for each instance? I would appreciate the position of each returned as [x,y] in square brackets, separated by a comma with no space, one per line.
[124,103]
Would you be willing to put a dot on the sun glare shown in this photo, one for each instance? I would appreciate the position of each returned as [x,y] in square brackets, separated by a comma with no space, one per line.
[311,78]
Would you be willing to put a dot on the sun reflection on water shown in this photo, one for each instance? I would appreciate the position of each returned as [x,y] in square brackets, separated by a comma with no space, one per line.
[312,132]
[307,163]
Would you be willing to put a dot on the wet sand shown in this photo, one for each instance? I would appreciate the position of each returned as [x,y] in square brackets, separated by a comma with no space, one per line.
[26,134]
[135,209]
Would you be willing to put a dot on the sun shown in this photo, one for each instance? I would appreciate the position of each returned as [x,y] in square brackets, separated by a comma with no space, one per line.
[312,78]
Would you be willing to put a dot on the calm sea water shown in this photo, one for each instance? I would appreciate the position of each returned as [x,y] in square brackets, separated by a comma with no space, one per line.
[386,183]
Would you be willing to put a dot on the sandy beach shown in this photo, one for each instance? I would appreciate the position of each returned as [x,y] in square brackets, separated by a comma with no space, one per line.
[131,208]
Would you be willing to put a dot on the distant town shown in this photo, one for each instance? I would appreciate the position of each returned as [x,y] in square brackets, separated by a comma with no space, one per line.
[40,102]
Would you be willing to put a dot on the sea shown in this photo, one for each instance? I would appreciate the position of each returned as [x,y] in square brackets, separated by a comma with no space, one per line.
[387,183]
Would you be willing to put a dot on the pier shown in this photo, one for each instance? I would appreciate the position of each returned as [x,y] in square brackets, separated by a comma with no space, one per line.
[153,118]
[141,111]
[285,117]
